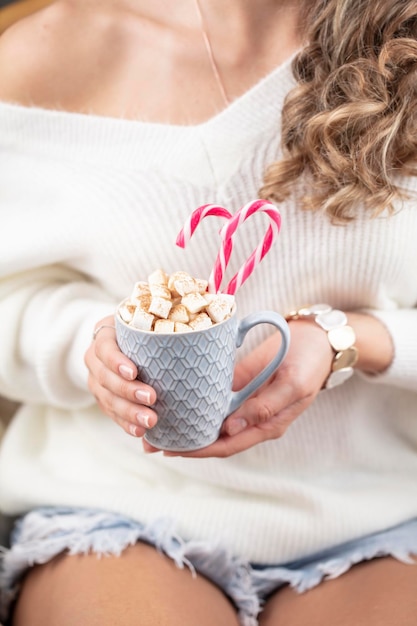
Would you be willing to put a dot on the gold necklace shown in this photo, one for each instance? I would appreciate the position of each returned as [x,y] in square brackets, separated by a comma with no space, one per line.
[210,55]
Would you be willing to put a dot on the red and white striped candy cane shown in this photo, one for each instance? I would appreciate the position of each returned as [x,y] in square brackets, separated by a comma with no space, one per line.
[260,251]
[189,229]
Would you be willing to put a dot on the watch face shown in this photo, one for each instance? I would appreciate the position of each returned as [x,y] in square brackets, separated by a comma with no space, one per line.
[338,377]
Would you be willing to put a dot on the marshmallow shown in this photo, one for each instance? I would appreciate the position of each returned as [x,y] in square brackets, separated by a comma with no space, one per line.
[164,326]
[126,311]
[179,313]
[174,303]
[160,307]
[158,277]
[182,283]
[143,302]
[194,302]
[142,320]
[201,322]
[209,297]
[179,327]
[201,285]
[176,276]
[220,307]
[140,288]
[160,291]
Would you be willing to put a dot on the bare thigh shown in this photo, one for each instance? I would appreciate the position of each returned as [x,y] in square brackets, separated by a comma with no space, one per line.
[382,592]
[141,587]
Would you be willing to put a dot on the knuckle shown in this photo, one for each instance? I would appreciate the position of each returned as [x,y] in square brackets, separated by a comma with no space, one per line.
[299,385]
[106,403]
[110,404]
[100,349]
[104,407]
[125,389]
[265,413]
[299,382]
[299,388]
[102,377]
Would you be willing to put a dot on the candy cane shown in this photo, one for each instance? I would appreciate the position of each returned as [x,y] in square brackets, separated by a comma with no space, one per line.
[223,256]
[219,268]
[227,233]
[189,228]
[260,251]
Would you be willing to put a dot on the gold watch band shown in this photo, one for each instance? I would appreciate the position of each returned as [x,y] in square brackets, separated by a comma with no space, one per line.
[341,337]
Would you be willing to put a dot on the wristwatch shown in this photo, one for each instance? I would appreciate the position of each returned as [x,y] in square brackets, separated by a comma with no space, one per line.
[341,337]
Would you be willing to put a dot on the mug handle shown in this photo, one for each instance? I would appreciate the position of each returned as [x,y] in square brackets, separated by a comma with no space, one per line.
[261,317]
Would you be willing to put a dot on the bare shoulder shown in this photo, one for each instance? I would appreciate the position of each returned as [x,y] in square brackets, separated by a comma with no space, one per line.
[47,58]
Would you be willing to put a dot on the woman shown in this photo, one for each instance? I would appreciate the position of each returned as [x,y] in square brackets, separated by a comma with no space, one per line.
[118,119]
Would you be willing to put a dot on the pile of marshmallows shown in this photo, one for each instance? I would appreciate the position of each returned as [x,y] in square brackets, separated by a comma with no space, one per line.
[176,303]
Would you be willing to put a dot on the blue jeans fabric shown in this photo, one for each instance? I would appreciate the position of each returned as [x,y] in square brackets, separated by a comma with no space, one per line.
[44,533]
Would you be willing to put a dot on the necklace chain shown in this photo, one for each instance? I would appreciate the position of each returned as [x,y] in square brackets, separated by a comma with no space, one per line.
[210,55]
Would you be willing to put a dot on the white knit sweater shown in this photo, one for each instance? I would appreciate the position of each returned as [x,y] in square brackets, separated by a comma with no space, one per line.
[89,205]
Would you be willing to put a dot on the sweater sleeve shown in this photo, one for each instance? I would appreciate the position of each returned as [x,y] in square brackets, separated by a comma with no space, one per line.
[402,326]
[48,303]
[47,316]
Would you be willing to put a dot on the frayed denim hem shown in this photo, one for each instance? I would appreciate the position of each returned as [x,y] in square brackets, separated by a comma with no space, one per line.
[44,533]
[399,542]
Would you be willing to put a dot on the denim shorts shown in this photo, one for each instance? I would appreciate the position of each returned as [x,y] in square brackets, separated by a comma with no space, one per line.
[46,532]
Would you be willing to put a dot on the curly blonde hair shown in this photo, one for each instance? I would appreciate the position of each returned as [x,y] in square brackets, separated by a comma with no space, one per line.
[350,124]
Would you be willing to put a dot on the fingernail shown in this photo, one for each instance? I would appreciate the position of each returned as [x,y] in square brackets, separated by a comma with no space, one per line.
[143,396]
[133,430]
[126,372]
[143,420]
[236,426]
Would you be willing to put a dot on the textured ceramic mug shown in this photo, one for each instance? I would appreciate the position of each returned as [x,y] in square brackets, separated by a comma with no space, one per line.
[192,374]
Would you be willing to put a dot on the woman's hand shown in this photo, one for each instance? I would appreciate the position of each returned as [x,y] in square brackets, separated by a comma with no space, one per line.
[296,383]
[293,387]
[112,381]
[265,415]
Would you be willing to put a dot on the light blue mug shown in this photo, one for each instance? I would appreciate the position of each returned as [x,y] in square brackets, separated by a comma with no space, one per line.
[192,374]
